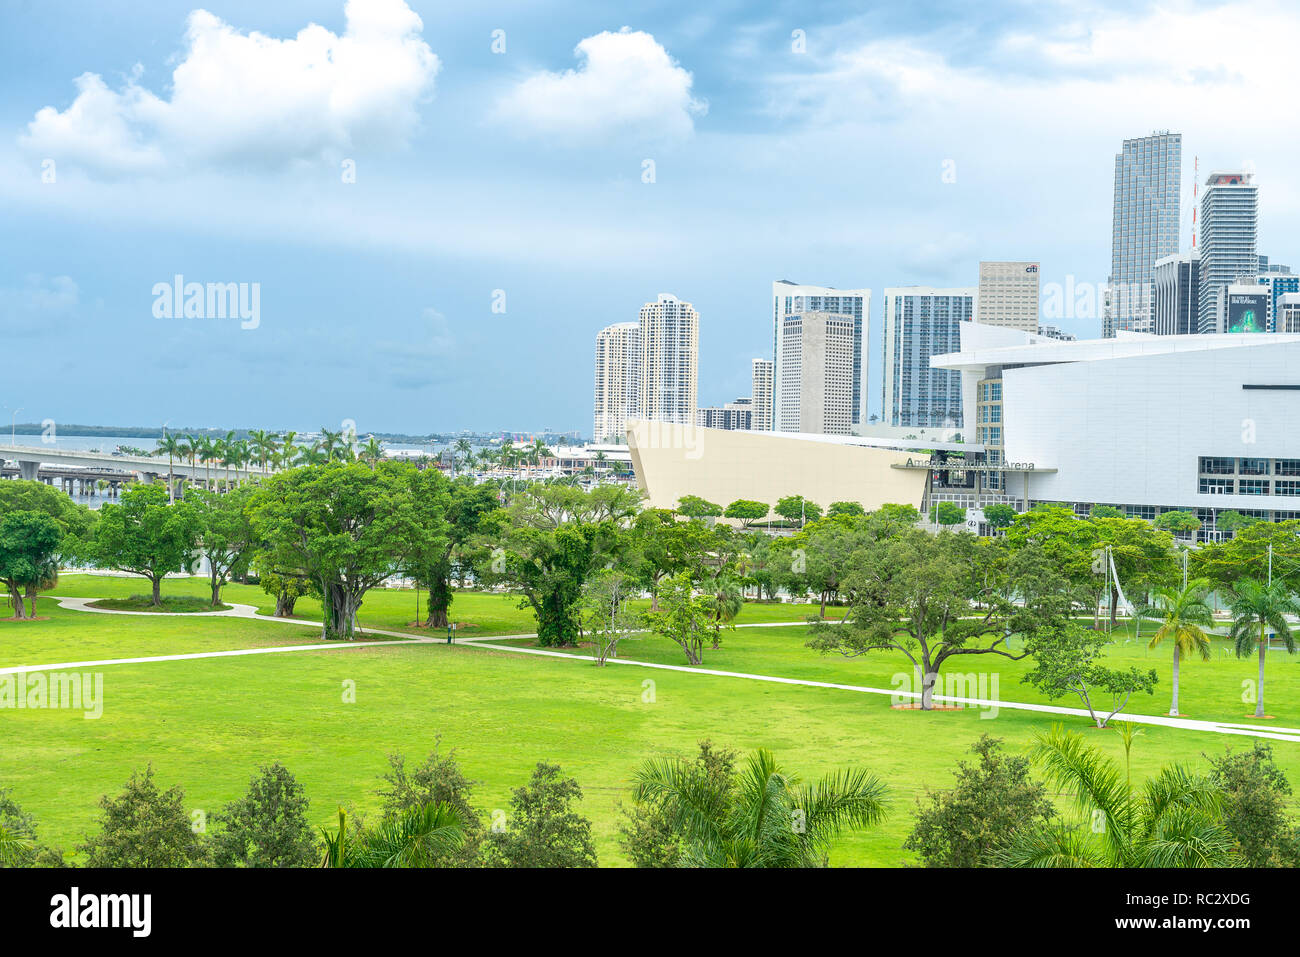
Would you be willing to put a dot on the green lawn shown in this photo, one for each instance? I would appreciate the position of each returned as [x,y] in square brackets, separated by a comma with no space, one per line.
[208,723]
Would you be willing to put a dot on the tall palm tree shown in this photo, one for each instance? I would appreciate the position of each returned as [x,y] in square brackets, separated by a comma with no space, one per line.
[286,452]
[1175,820]
[415,839]
[1257,609]
[263,443]
[372,451]
[207,455]
[172,447]
[464,450]
[762,817]
[1184,615]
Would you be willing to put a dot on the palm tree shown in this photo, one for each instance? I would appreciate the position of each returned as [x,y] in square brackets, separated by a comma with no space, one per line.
[762,817]
[207,455]
[464,450]
[15,851]
[288,451]
[1184,615]
[1174,821]
[727,594]
[1263,607]
[372,451]
[172,447]
[263,443]
[414,839]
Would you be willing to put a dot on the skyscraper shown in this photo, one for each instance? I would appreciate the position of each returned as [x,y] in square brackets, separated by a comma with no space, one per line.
[921,322]
[761,393]
[618,380]
[1177,298]
[1148,174]
[789,297]
[1008,295]
[1228,233]
[816,374]
[670,360]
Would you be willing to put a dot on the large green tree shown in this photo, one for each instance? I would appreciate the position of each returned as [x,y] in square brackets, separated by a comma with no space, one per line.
[29,549]
[933,597]
[145,826]
[547,542]
[226,537]
[146,536]
[460,507]
[345,527]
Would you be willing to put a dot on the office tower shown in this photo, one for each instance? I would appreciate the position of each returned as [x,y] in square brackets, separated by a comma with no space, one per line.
[670,360]
[1177,301]
[733,416]
[618,381]
[1144,224]
[761,393]
[789,297]
[1228,232]
[816,378]
[1008,295]
[921,322]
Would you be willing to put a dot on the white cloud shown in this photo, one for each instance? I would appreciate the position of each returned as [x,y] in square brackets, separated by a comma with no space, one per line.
[247,98]
[626,82]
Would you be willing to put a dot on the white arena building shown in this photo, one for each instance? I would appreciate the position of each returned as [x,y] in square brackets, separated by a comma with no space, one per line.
[1146,423]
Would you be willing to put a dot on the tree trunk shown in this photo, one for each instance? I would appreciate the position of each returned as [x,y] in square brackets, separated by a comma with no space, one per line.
[32,592]
[1173,708]
[340,608]
[928,681]
[823,614]
[16,595]
[216,590]
[156,580]
[284,606]
[437,618]
[1259,692]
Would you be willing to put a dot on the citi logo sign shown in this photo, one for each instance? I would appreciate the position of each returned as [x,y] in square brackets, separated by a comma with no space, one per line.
[1031,268]
[74,909]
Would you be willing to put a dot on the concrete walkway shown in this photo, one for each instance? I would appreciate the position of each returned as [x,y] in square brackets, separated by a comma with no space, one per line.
[491,644]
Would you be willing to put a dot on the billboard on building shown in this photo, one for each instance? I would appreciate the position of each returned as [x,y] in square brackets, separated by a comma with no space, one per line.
[1247,312]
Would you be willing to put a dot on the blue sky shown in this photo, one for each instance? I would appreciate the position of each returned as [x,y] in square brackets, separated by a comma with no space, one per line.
[789,140]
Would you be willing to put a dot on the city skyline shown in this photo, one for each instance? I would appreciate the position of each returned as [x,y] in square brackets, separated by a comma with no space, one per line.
[388,283]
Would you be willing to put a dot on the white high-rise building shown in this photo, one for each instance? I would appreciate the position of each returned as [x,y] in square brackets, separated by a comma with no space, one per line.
[816,378]
[788,298]
[670,361]
[1008,295]
[761,393]
[921,322]
[1228,234]
[618,381]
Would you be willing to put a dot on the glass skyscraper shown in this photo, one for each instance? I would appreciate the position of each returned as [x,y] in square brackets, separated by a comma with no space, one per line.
[921,322]
[1148,177]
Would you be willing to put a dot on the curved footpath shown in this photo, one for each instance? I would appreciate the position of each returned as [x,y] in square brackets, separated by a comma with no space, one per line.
[490,644]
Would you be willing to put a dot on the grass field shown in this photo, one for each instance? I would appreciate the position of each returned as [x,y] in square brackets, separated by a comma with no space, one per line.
[208,723]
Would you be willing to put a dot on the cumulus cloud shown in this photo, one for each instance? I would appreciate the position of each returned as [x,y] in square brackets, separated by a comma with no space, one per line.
[625,82]
[251,99]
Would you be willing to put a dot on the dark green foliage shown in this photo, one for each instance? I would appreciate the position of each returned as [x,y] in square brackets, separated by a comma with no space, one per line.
[145,827]
[268,826]
[965,825]
[542,829]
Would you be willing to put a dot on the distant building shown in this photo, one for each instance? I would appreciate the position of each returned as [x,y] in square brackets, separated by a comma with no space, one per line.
[1144,227]
[618,380]
[1228,234]
[789,298]
[1280,281]
[1177,298]
[1287,315]
[921,322]
[737,415]
[1052,332]
[1008,295]
[670,361]
[816,379]
[761,393]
